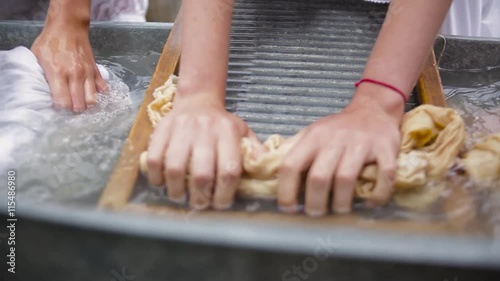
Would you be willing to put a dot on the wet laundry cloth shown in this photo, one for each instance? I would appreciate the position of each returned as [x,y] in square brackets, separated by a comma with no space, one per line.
[25,101]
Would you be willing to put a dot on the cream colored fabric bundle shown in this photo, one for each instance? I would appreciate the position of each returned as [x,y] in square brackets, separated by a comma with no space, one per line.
[432,138]
[164,100]
[482,163]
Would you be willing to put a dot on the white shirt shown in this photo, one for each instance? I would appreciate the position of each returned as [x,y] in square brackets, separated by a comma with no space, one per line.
[119,10]
[477,18]
[101,10]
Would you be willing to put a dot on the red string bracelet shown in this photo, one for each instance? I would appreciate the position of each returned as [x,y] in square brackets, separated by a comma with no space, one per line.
[405,98]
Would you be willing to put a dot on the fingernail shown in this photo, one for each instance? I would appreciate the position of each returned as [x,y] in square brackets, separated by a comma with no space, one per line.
[370,204]
[222,207]
[178,200]
[342,210]
[78,109]
[289,209]
[315,213]
[200,207]
[200,204]
[90,101]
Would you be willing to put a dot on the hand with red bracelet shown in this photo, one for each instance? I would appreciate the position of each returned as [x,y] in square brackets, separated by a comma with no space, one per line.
[331,152]
[334,149]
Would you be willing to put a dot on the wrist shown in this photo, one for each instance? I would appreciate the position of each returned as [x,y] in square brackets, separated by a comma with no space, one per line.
[199,86]
[207,94]
[386,99]
[69,14]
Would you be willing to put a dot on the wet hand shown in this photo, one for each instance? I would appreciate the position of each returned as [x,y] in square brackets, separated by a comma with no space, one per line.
[332,152]
[198,140]
[65,54]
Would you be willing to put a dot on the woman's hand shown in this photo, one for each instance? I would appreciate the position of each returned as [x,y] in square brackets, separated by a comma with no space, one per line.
[64,53]
[199,136]
[334,150]
[199,139]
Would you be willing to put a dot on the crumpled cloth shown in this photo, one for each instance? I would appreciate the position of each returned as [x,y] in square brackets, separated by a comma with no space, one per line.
[482,162]
[431,139]
[163,100]
[25,101]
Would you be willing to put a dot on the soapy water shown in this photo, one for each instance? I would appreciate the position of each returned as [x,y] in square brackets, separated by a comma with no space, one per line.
[480,109]
[73,156]
[475,95]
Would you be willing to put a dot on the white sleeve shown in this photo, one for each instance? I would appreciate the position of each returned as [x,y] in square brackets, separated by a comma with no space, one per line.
[473,18]
[119,10]
[477,18]
[379,1]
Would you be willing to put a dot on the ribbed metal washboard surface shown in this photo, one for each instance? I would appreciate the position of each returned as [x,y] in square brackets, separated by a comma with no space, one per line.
[295,61]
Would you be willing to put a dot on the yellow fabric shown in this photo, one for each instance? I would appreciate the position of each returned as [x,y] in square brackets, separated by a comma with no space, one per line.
[163,102]
[482,163]
[431,139]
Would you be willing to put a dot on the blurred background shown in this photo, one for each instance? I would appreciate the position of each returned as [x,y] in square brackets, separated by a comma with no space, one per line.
[163,10]
[158,10]
[466,18]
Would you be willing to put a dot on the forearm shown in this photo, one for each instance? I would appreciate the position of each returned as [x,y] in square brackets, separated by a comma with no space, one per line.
[206,30]
[404,43]
[69,13]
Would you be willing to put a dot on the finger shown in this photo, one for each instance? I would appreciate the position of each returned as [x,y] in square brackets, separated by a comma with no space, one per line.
[387,168]
[77,92]
[202,177]
[176,163]
[157,150]
[100,84]
[319,181]
[256,143]
[60,92]
[349,168]
[229,170]
[90,91]
[290,175]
